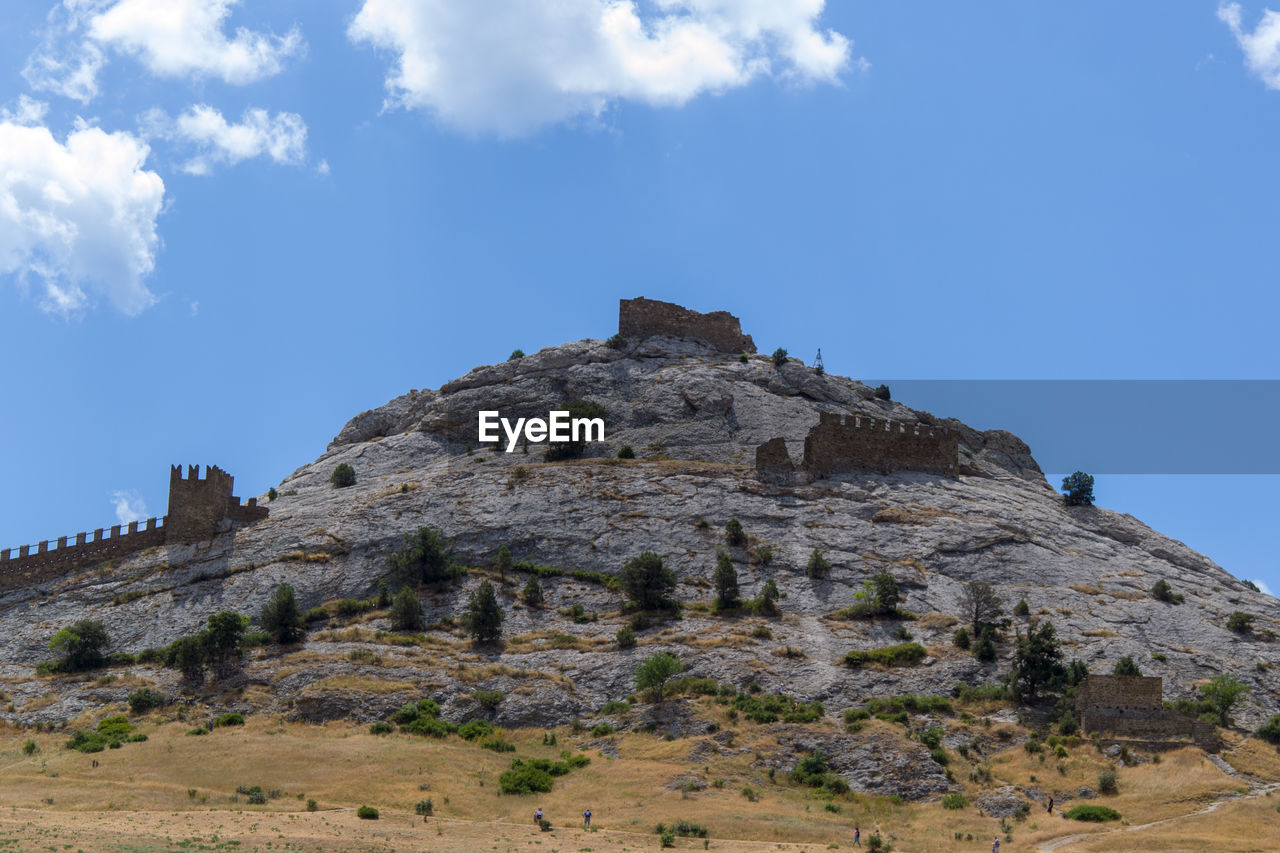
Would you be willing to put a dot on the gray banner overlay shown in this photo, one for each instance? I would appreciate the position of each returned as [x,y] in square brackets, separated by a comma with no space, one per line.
[1211,426]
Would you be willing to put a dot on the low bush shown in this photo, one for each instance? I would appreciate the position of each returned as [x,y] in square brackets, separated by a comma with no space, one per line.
[426,808]
[1094,814]
[602,729]
[625,452]
[954,801]
[343,475]
[1161,591]
[474,729]
[524,778]
[498,745]
[1240,622]
[1270,731]
[146,699]
[911,703]
[903,654]
[30,747]
[733,533]
[316,614]
[488,699]
[683,828]
[1107,782]
[231,719]
[381,729]
[771,707]
[367,813]
[626,637]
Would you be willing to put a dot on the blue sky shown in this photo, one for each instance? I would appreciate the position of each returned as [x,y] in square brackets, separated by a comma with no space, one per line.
[227,227]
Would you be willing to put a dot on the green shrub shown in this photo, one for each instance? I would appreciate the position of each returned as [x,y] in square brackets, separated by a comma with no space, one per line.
[30,747]
[524,778]
[733,532]
[425,557]
[426,808]
[343,475]
[817,567]
[903,654]
[81,646]
[602,729]
[940,756]
[367,813]
[473,729]
[616,341]
[625,452]
[1022,610]
[779,357]
[232,719]
[316,614]
[312,805]
[532,593]
[406,611]
[667,839]
[429,727]
[615,707]
[954,801]
[484,615]
[381,729]
[146,699]
[655,671]
[683,828]
[1270,731]
[574,449]
[648,582]
[488,699]
[1126,666]
[960,639]
[516,354]
[1095,814]
[1078,488]
[1107,782]
[498,745]
[1161,591]
[272,494]
[1240,622]
[626,637]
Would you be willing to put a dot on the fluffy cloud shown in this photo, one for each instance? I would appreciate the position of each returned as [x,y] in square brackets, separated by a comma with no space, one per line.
[520,65]
[282,138]
[129,506]
[172,38]
[78,218]
[1261,47]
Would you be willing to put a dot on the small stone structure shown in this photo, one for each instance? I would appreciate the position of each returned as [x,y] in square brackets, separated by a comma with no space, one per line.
[840,444]
[1132,706]
[643,318]
[198,509]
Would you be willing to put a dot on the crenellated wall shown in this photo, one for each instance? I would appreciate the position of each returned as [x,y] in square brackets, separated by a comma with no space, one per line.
[840,444]
[642,318]
[197,508]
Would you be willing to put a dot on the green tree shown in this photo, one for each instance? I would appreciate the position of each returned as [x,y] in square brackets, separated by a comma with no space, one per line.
[980,606]
[1240,622]
[1224,692]
[733,532]
[887,595]
[406,611]
[1126,666]
[779,357]
[648,582]
[726,582]
[985,648]
[282,618]
[426,557]
[187,654]
[1161,591]
[1037,661]
[881,392]
[1078,488]
[484,615]
[343,475]
[574,449]
[532,592]
[222,639]
[818,566]
[655,671]
[515,354]
[502,562]
[81,645]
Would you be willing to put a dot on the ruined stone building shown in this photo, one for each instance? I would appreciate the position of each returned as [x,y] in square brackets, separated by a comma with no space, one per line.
[1132,706]
[643,318]
[841,444]
[199,509]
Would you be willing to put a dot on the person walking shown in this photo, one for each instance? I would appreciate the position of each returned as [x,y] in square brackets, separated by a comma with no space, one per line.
[995,845]
[857,836]
[537,816]
[1051,805]
[586,819]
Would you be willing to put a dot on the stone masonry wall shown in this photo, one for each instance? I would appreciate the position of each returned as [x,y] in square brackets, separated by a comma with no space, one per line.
[839,445]
[197,508]
[1120,694]
[642,318]
[1132,706]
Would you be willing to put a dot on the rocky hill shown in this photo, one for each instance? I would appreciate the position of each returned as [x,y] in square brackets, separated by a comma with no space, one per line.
[695,416]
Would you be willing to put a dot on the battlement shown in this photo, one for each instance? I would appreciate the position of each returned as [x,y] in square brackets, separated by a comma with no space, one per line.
[642,318]
[840,444]
[199,508]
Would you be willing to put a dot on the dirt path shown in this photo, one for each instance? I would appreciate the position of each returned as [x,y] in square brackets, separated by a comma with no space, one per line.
[1255,791]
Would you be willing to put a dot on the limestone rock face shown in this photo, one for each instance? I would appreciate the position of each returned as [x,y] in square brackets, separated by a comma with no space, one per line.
[695,417]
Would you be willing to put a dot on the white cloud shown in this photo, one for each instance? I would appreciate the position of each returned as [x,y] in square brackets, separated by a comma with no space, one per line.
[172,38]
[282,138]
[78,217]
[129,506]
[28,112]
[518,66]
[1261,47]
[1264,588]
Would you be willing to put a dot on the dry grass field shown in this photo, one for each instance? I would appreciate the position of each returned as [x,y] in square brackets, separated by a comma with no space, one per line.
[176,791]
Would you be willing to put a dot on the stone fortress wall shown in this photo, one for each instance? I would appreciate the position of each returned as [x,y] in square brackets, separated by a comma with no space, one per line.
[643,318]
[1132,706]
[198,508]
[841,444]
